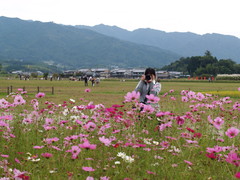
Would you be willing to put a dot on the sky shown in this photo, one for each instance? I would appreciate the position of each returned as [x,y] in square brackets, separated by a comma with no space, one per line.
[197,16]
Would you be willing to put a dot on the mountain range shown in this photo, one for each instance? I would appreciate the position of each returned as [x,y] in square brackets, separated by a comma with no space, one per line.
[183,43]
[105,46]
[36,41]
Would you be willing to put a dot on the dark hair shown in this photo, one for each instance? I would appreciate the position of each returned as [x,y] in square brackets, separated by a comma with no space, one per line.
[150,71]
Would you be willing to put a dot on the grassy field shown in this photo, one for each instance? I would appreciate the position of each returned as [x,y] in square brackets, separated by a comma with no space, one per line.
[110,92]
[73,134]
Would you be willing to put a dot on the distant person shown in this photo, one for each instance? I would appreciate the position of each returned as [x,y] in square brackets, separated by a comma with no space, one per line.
[97,81]
[93,81]
[85,81]
[209,79]
[149,85]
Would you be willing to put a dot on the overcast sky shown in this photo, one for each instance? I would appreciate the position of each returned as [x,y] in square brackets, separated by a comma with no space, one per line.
[197,16]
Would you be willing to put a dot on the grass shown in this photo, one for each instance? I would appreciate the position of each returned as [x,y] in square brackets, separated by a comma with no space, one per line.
[110,92]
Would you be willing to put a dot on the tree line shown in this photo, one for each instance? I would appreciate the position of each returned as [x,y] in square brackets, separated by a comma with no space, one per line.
[204,66]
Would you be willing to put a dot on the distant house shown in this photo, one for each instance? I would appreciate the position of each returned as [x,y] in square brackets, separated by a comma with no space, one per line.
[163,75]
[17,72]
[100,72]
[168,74]
[69,72]
[119,73]
[137,73]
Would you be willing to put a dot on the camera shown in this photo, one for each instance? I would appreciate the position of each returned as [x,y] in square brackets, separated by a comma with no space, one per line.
[148,77]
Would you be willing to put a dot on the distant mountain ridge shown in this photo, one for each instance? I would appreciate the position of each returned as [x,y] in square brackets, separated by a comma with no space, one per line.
[186,44]
[35,41]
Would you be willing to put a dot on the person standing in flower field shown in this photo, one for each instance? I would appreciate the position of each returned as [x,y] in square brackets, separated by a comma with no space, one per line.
[149,88]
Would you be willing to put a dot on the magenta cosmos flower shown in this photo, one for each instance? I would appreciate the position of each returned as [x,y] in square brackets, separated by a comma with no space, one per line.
[232,132]
[40,95]
[237,175]
[87,90]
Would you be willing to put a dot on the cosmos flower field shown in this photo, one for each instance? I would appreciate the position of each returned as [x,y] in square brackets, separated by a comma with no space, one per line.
[79,139]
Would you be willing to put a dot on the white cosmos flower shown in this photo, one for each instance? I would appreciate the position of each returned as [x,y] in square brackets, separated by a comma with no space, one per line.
[121,154]
[72,100]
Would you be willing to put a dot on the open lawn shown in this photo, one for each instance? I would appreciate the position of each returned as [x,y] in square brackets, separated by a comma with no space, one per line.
[110,92]
[89,133]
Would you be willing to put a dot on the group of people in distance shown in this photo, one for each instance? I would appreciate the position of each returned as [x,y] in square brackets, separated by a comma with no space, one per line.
[93,80]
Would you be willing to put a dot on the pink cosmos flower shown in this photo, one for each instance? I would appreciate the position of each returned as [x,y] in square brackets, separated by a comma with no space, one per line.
[104,178]
[38,147]
[185,99]
[186,135]
[40,95]
[147,109]
[232,132]
[184,92]
[164,126]
[20,175]
[239,89]
[75,151]
[48,121]
[56,148]
[87,90]
[87,145]
[17,160]
[164,144]
[216,149]
[51,140]
[192,142]
[161,113]
[210,119]
[188,162]
[27,121]
[89,178]
[132,96]
[152,99]
[150,172]
[233,158]
[4,104]
[47,155]
[90,126]
[217,122]
[4,155]
[105,141]
[89,169]
[18,100]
